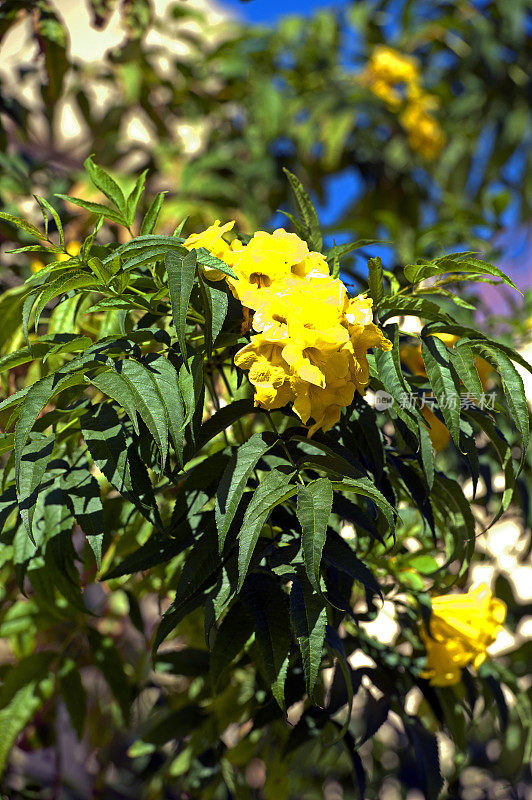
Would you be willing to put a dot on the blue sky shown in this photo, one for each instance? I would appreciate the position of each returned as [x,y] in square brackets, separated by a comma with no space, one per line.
[271,10]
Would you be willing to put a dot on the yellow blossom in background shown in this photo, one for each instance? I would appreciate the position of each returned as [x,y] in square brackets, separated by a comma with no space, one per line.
[425,135]
[311,340]
[462,627]
[386,69]
[395,79]
[73,248]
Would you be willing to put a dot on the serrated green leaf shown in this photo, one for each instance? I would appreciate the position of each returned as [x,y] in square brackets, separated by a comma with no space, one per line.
[364,487]
[115,385]
[167,380]
[107,185]
[36,398]
[82,495]
[307,213]
[150,220]
[62,285]
[398,305]
[273,487]
[267,603]
[45,206]
[134,197]
[308,614]
[444,381]
[181,273]
[148,402]
[112,452]
[95,208]
[375,278]
[514,391]
[314,506]
[23,224]
[231,637]
[460,263]
[234,480]
[34,460]
[463,361]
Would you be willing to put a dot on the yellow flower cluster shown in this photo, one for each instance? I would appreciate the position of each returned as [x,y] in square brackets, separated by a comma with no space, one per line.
[311,340]
[462,627]
[395,79]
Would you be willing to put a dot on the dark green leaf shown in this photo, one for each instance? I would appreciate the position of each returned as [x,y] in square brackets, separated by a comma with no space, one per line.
[234,482]
[314,506]
[309,619]
[181,273]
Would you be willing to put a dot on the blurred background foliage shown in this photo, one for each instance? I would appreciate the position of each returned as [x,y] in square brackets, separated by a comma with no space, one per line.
[214,108]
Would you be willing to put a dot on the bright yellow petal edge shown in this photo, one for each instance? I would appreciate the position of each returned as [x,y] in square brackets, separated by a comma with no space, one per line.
[311,339]
[462,627]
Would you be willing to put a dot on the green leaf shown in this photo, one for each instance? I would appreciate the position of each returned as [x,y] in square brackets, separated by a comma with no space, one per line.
[463,360]
[95,208]
[61,285]
[23,224]
[307,213]
[215,304]
[273,488]
[427,758]
[267,603]
[514,391]
[115,456]
[231,637]
[375,278]
[148,402]
[308,614]
[115,385]
[167,381]
[82,495]
[134,197]
[364,487]
[181,273]
[34,460]
[444,381]
[223,419]
[399,305]
[314,506]
[150,220]
[26,688]
[107,185]
[460,263]
[102,272]
[37,397]
[338,554]
[45,206]
[191,385]
[234,480]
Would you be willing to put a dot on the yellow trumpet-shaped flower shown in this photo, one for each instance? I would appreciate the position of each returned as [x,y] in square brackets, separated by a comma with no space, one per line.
[212,240]
[462,627]
[311,340]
